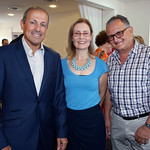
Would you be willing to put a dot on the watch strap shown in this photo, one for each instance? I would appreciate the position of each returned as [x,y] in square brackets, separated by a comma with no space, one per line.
[147,125]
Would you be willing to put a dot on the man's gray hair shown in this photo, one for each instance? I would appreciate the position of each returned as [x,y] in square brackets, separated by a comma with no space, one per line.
[120,17]
[33,8]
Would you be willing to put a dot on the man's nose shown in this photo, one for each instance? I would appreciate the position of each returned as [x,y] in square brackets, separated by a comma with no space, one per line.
[38,27]
[115,38]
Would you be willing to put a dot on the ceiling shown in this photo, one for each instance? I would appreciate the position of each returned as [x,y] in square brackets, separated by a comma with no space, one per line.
[6,21]
[131,0]
[63,6]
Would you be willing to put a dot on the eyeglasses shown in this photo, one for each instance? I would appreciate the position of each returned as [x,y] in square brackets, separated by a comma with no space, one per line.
[78,34]
[118,34]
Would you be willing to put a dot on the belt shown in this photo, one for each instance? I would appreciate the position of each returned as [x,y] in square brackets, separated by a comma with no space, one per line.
[136,117]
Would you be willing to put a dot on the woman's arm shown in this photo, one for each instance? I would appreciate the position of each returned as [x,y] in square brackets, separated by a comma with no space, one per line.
[103,87]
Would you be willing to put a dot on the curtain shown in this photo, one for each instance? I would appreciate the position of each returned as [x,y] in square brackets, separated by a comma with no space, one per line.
[94,15]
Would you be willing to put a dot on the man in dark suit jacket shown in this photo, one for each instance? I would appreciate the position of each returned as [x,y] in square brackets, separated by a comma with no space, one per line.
[32,90]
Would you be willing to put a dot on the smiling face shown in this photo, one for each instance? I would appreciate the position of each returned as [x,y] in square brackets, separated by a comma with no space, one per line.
[81,36]
[35,28]
[123,43]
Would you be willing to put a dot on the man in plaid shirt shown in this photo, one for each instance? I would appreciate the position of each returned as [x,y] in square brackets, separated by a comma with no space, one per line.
[129,88]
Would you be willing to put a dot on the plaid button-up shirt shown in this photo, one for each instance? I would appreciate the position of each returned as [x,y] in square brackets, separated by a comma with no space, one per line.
[129,84]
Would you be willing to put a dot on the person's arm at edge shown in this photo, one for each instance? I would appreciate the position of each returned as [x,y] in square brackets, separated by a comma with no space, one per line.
[107,110]
[3,141]
[60,109]
[103,87]
[142,135]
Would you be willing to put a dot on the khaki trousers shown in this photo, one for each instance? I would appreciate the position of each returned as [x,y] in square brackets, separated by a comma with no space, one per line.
[122,133]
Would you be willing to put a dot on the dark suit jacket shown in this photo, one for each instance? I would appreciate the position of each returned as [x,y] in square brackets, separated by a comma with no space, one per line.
[24,114]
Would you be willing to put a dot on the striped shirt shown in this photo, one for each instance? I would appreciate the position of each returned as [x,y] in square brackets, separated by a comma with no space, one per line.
[129,84]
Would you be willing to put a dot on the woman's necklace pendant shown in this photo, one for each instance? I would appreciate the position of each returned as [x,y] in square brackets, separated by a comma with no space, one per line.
[74,65]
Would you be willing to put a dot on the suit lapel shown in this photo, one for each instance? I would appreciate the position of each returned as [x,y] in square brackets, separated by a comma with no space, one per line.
[22,58]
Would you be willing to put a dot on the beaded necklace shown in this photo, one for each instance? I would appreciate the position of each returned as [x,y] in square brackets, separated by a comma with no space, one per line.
[74,65]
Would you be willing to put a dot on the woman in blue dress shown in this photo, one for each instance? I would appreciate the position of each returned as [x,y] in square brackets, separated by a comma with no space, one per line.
[85,78]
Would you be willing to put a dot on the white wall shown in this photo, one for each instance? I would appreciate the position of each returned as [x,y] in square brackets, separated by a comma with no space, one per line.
[110,8]
[57,34]
[5,33]
[12,26]
[116,5]
[138,14]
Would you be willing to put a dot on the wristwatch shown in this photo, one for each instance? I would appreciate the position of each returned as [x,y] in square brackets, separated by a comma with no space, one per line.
[147,125]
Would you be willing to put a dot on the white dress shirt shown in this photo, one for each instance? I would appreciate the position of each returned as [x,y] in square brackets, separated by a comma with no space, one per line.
[36,62]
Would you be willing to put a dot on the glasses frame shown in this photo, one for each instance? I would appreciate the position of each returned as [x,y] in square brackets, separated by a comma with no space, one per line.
[112,35]
[85,34]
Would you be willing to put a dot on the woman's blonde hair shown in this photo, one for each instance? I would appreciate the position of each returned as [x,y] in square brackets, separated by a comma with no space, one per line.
[71,48]
[139,39]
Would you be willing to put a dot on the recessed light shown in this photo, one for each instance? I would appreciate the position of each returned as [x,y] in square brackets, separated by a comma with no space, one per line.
[14,7]
[11,15]
[52,6]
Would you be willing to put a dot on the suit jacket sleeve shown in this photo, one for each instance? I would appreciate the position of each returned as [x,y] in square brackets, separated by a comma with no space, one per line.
[60,103]
[3,141]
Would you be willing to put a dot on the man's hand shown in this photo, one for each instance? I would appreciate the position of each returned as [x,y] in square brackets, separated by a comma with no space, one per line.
[61,143]
[7,148]
[108,127]
[142,135]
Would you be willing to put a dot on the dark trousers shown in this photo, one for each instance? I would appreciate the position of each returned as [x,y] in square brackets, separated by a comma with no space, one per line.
[40,144]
